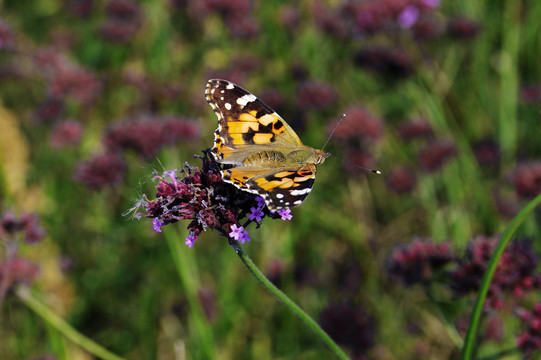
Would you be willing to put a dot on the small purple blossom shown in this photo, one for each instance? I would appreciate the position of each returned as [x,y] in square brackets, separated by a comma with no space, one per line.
[260,202]
[285,214]
[236,232]
[408,17]
[156,225]
[171,174]
[256,214]
[190,240]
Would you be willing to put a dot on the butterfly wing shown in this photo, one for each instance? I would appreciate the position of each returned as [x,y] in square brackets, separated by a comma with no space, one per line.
[244,121]
[281,188]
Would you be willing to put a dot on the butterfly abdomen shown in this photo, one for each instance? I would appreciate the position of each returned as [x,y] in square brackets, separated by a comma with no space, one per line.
[266,158]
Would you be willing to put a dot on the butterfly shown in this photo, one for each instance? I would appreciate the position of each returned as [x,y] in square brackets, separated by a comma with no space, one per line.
[262,153]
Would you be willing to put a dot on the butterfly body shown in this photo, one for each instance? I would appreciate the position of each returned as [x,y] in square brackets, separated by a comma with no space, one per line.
[263,153]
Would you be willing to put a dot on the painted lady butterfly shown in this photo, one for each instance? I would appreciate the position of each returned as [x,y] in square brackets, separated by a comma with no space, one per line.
[265,155]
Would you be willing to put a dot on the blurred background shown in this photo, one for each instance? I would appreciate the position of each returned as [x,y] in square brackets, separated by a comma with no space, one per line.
[443,97]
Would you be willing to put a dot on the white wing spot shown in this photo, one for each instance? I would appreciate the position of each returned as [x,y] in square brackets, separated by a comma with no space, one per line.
[242,101]
[300,192]
[227,106]
[230,86]
[279,196]
[222,98]
[222,91]
[298,202]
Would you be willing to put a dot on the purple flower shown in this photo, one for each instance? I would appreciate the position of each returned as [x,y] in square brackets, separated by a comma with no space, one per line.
[285,214]
[256,214]
[157,224]
[171,174]
[236,232]
[190,240]
[408,17]
[260,202]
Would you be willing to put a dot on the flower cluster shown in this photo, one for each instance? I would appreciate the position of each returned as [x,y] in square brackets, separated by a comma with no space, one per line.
[527,179]
[202,197]
[100,171]
[530,340]
[401,180]
[419,261]
[27,225]
[6,36]
[65,79]
[15,269]
[65,134]
[147,135]
[436,154]
[124,20]
[515,272]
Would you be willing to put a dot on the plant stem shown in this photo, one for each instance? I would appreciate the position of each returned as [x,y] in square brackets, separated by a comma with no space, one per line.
[62,326]
[471,334]
[287,301]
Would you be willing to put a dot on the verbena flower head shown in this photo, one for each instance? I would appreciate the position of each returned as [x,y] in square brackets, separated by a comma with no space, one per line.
[202,197]
[515,273]
[419,261]
[530,340]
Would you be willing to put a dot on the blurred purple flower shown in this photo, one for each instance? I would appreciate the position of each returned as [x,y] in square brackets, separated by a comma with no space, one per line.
[531,94]
[408,17]
[463,28]
[315,95]
[527,179]
[124,20]
[80,8]
[402,180]
[27,223]
[436,154]
[100,171]
[51,109]
[487,152]
[289,17]
[17,270]
[65,134]
[431,4]
[529,341]
[384,60]
[415,129]
[76,83]
[419,261]
[515,272]
[147,135]
[358,123]
[7,39]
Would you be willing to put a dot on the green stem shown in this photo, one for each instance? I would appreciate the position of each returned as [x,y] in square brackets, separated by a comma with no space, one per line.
[471,334]
[62,326]
[288,302]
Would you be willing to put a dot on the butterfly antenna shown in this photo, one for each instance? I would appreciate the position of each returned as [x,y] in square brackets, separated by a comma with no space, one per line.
[333,130]
[357,166]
